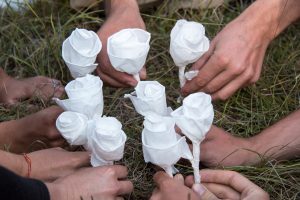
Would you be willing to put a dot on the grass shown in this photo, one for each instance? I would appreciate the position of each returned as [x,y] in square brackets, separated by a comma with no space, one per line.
[31,44]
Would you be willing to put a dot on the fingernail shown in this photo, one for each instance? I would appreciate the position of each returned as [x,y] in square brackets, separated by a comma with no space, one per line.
[199,189]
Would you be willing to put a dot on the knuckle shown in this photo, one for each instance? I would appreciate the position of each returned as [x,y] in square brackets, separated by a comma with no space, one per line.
[232,177]
[200,82]
[210,88]
[249,74]
[111,172]
[221,58]
[237,69]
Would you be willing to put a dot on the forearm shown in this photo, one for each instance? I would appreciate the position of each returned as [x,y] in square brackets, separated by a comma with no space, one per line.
[13,162]
[112,6]
[268,18]
[281,140]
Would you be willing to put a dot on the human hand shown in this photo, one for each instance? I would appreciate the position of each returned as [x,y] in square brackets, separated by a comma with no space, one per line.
[121,15]
[228,185]
[171,188]
[234,59]
[221,148]
[99,183]
[50,164]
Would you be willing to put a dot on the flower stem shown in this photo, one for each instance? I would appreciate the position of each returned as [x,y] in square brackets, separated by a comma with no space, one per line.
[182,79]
[137,77]
[196,160]
[169,171]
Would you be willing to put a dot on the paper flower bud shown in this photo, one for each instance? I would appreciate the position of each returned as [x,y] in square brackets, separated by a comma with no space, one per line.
[80,51]
[188,42]
[195,116]
[149,96]
[85,96]
[107,141]
[73,127]
[162,146]
[128,50]
[159,131]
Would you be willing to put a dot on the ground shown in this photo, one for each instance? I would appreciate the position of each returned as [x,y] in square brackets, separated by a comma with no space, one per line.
[31,45]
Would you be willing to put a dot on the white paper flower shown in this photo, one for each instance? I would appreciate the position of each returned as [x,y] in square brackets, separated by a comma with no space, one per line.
[107,141]
[188,44]
[162,146]
[195,118]
[149,96]
[128,50]
[85,96]
[73,127]
[80,51]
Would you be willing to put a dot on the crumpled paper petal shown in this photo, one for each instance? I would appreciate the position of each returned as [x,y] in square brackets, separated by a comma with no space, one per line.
[128,50]
[84,86]
[88,106]
[107,141]
[167,156]
[80,71]
[195,116]
[73,127]
[161,144]
[85,96]
[80,51]
[149,96]
[191,74]
[159,131]
[188,42]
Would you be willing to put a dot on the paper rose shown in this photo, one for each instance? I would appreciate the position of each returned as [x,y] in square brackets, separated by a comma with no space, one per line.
[128,50]
[162,146]
[107,141]
[149,96]
[188,44]
[73,127]
[195,118]
[80,50]
[85,96]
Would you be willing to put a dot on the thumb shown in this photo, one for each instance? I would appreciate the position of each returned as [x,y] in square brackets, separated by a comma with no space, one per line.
[203,192]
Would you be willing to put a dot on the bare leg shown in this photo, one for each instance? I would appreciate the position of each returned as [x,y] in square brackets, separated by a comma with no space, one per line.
[279,141]
[20,135]
[12,90]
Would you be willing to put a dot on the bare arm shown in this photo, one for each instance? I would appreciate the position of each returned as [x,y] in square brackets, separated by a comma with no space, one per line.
[13,162]
[235,57]
[281,140]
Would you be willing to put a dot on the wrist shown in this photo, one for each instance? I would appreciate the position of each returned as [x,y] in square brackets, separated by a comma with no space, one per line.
[22,168]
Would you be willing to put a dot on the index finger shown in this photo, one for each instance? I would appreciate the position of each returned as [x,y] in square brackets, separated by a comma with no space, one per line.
[209,71]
